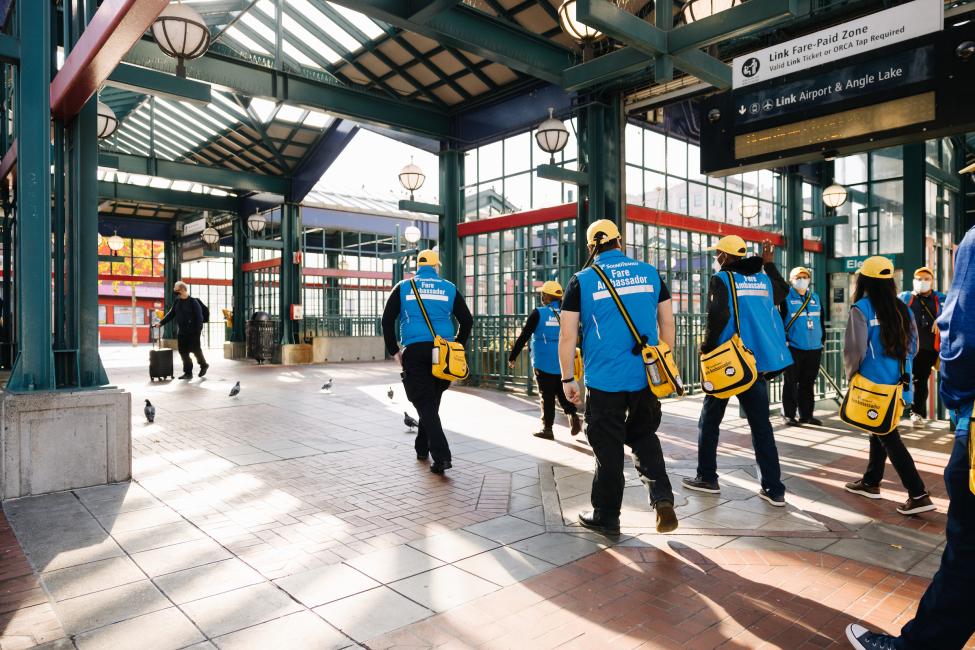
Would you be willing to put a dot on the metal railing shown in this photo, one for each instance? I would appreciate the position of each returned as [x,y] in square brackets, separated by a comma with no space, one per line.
[316,326]
[493,336]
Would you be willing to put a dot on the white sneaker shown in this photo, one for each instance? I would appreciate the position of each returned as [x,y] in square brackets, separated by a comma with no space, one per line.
[917,420]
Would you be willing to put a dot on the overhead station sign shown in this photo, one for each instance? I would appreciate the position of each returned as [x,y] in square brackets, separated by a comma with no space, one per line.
[872,32]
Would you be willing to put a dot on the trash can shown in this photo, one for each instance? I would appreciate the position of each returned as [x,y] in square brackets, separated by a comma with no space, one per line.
[261,336]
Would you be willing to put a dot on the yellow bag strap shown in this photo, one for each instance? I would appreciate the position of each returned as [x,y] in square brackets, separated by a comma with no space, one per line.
[798,313]
[734,301]
[619,304]
[419,301]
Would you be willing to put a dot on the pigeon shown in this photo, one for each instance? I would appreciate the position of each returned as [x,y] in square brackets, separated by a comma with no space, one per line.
[410,422]
[235,390]
[327,386]
[150,411]
[389,393]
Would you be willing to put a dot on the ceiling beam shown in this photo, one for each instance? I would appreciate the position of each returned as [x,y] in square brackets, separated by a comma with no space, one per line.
[138,194]
[607,67]
[731,23]
[425,10]
[115,27]
[253,80]
[650,40]
[179,171]
[152,82]
[476,32]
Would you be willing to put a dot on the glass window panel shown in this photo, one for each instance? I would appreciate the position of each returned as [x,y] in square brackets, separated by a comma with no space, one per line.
[931,153]
[733,209]
[716,204]
[470,167]
[517,153]
[887,163]
[489,161]
[947,155]
[546,193]
[749,184]
[694,163]
[517,192]
[767,182]
[102,314]
[697,200]
[677,195]
[734,182]
[889,198]
[850,170]
[634,185]
[677,157]
[634,144]
[654,151]
[654,191]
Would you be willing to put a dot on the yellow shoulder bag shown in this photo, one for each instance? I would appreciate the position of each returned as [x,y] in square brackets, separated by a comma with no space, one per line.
[577,361]
[658,360]
[449,361]
[971,452]
[874,408]
[729,369]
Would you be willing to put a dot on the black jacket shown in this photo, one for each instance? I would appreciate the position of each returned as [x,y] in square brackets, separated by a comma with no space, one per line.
[188,316]
[719,311]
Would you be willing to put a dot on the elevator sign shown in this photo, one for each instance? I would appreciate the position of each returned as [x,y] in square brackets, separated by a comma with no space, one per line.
[871,32]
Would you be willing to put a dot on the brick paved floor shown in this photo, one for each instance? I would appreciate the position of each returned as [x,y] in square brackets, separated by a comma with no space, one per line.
[289,517]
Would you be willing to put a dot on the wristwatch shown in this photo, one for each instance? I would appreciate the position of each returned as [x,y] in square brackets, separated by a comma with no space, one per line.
[569,380]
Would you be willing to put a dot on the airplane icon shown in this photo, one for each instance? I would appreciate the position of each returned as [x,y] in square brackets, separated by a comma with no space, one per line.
[768,105]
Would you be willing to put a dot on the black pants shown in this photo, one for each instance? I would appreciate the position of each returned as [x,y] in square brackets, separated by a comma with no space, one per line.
[615,419]
[425,391]
[549,390]
[944,618]
[754,402]
[189,343]
[923,363]
[799,383]
[891,446]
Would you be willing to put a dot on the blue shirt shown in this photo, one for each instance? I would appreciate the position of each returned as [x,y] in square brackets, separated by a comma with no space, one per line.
[762,330]
[957,327]
[607,344]
[438,299]
[877,365]
[806,332]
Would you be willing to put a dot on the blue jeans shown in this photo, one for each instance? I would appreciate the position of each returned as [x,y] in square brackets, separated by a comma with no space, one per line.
[754,402]
[944,617]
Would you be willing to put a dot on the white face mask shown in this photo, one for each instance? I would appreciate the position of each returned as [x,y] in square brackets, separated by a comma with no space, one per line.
[716,265]
[801,284]
[922,286]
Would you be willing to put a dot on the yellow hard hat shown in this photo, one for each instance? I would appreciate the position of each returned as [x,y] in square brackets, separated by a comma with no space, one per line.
[924,269]
[428,258]
[731,244]
[794,273]
[609,230]
[878,266]
[551,288]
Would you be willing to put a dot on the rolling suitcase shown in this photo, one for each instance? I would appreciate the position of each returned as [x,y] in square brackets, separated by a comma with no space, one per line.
[161,363]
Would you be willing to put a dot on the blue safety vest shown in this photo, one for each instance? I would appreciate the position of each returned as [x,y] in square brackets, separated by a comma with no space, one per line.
[545,339]
[876,365]
[762,330]
[607,344]
[438,298]
[806,332]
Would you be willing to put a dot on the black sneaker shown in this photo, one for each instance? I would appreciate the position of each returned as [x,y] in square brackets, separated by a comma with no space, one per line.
[864,490]
[699,484]
[816,422]
[666,517]
[915,506]
[863,639]
[545,434]
[438,466]
[791,422]
[778,502]
[589,520]
[575,424]
[186,375]
[203,369]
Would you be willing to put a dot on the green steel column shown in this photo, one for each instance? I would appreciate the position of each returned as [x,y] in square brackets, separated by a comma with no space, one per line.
[171,257]
[792,228]
[601,156]
[452,200]
[34,368]
[242,255]
[289,285]
[83,250]
[915,174]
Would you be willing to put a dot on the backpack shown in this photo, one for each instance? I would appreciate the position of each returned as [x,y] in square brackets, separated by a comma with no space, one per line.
[206,310]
